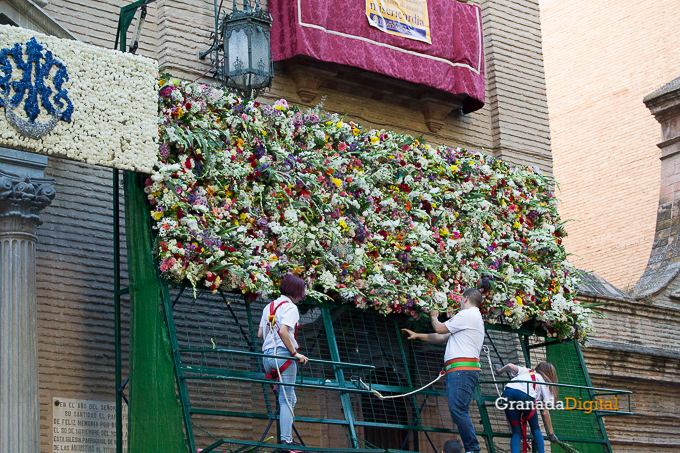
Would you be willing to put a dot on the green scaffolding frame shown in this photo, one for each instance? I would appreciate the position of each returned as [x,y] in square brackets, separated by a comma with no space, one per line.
[572,370]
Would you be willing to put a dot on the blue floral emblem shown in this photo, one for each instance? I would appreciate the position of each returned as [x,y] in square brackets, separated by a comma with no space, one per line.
[32,90]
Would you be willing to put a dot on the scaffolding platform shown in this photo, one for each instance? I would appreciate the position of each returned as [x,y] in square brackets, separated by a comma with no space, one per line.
[228,404]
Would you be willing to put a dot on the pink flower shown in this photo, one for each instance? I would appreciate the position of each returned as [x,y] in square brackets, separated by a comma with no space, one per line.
[405,148]
[342,146]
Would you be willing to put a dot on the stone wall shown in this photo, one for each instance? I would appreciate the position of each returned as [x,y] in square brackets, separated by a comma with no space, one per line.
[74,277]
[636,348]
[636,345]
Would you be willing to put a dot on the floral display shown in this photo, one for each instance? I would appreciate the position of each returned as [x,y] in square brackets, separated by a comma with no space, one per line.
[244,193]
[75,100]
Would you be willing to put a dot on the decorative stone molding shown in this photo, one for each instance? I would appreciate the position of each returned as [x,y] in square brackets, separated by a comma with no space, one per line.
[435,112]
[21,200]
[308,80]
[664,260]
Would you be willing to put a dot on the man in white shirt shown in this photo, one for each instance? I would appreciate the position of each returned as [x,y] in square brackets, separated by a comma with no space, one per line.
[464,338]
[278,327]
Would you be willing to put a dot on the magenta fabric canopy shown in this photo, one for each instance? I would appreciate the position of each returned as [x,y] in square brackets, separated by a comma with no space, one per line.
[338,32]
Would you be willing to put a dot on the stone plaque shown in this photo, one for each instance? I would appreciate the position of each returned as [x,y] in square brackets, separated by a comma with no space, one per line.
[85,426]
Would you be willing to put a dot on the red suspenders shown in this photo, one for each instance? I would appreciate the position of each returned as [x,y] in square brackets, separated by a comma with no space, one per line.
[523,421]
[274,373]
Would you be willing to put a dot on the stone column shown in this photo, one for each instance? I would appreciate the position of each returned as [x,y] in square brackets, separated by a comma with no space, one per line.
[22,197]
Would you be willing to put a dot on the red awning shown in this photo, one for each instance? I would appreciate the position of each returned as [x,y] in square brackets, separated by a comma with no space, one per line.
[338,32]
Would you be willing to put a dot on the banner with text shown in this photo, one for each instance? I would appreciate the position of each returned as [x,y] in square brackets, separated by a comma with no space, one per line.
[405,18]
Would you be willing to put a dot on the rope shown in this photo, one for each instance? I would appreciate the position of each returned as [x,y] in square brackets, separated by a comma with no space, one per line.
[493,375]
[206,72]
[380,396]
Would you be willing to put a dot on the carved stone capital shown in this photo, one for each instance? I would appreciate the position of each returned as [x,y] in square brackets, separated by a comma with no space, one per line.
[21,200]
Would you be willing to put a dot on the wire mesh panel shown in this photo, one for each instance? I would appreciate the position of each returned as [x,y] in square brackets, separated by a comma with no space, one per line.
[217,336]
[574,425]
[207,327]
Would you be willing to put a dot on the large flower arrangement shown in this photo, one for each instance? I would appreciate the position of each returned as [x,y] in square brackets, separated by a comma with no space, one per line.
[109,99]
[244,193]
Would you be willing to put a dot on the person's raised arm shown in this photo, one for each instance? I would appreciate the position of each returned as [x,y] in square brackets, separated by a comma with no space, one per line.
[508,367]
[427,337]
[285,337]
[438,327]
[259,332]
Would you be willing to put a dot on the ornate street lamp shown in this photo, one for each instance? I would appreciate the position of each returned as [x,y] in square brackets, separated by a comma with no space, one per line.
[240,52]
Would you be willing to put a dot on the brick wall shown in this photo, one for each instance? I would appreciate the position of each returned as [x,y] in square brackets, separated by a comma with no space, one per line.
[74,277]
[601,59]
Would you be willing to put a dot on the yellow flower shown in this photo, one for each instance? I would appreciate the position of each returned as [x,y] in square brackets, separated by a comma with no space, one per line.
[454,168]
[236,223]
[374,139]
[355,131]
[243,217]
[336,181]
[339,124]
[519,301]
[507,312]
[157,215]
[264,132]
[517,226]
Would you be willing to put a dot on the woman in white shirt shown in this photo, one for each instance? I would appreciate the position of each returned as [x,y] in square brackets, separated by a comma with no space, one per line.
[520,394]
[278,327]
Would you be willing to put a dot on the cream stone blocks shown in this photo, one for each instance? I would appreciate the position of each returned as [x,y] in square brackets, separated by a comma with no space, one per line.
[601,59]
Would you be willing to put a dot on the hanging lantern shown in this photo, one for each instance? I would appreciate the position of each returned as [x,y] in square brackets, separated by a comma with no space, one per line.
[242,37]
